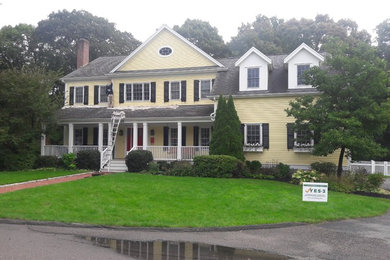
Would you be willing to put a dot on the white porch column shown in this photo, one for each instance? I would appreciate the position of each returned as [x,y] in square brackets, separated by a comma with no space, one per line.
[100,137]
[179,140]
[110,134]
[70,138]
[43,143]
[135,134]
[145,136]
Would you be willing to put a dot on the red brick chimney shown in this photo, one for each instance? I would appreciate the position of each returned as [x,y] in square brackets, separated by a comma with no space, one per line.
[82,53]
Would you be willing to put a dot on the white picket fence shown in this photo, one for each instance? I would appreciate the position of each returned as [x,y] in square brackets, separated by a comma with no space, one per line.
[371,166]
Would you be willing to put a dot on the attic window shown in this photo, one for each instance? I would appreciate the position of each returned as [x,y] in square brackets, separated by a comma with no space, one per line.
[165,51]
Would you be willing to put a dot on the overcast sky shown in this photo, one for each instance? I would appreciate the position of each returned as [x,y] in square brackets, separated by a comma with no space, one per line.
[143,17]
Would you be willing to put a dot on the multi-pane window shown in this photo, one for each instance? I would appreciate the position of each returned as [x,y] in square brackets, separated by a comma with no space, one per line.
[300,73]
[78,136]
[205,88]
[79,94]
[103,94]
[138,92]
[303,138]
[253,134]
[253,77]
[175,90]
[173,136]
[204,136]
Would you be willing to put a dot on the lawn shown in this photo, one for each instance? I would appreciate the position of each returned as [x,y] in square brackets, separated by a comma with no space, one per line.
[160,201]
[22,176]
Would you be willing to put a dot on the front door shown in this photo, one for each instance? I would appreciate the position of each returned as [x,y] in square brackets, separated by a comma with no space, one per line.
[129,141]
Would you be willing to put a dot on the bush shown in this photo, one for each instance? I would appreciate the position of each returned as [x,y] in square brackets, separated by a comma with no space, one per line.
[154,168]
[282,172]
[367,182]
[324,167]
[46,161]
[163,165]
[88,159]
[68,160]
[340,184]
[217,166]
[180,168]
[253,166]
[138,160]
[375,180]
[301,176]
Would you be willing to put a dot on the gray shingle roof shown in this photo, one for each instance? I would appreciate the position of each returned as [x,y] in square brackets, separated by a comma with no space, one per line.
[97,113]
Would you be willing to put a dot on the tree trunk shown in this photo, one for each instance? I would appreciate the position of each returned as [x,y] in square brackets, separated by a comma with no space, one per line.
[340,165]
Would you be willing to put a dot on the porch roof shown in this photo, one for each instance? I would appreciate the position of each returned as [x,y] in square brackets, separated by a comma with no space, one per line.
[68,114]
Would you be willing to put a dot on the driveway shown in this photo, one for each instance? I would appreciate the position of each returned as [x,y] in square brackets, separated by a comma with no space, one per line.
[367,238]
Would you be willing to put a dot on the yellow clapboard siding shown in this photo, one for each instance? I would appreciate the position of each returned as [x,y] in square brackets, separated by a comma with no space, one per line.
[90,85]
[183,55]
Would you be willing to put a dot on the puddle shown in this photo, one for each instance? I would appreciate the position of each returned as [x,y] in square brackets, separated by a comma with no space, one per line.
[178,250]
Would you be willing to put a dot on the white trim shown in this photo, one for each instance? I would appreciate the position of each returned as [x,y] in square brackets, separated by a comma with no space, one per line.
[165,27]
[247,78]
[170,85]
[249,52]
[303,64]
[307,48]
[245,133]
[99,96]
[75,94]
[132,91]
[200,135]
[200,88]
[164,56]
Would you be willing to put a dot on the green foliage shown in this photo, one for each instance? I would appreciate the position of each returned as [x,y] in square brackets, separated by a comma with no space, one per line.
[69,161]
[344,183]
[217,166]
[180,168]
[253,166]
[324,167]
[383,32]
[367,182]
[282,172]
[138,160]
[18,161]
[153,168]
[204,36]
[301,176]
[163,165]
[46,161]
[88,159]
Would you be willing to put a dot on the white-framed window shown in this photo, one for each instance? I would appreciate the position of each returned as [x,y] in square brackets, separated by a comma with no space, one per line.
[138,91]
[253,135]
[204,137]
[303,138]
[174,90]
[173,137]
[78,136]
[79,95]
[205,88]
[103,94]
[253,77]
[301,68]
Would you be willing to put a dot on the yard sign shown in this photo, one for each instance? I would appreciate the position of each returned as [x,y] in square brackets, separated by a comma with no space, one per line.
[312,191]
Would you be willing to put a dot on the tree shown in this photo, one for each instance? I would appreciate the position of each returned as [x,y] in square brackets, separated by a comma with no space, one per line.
[56,38]
[354,105]
[26,104]
[226,138]
[204,36]
[383,32]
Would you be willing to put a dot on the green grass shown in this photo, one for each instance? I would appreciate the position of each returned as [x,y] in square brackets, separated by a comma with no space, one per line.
[22,176]
[145,200]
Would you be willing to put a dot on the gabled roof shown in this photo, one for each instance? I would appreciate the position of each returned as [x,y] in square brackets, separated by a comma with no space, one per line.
[165,27]
[249,52]
[307,48]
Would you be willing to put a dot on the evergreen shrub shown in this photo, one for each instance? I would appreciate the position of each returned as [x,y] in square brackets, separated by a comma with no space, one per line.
[324,167]
[217,166]
[69,161]
[46,161]
[88,159]
[180,168]
[138,160]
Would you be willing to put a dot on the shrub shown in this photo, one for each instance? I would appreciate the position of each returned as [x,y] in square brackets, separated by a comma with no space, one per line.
[46,161]
[217,166]
[68,160]
[301,176]
[180,168]
[367,182]
[138,160]
[282,172]
[88,159]
[324,167]
[341,184]
[163,165]
[154,168]
[375,180]
[254,166]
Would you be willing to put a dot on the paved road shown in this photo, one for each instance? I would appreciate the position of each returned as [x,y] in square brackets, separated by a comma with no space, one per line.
[348,239]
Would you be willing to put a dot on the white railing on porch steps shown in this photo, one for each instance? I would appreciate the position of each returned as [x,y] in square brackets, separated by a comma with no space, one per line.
[170,153]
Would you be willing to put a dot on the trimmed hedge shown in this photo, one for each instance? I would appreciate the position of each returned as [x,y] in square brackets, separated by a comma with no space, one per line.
[46,161]
[324,167]
[138,160]
[89,160]
[217,166]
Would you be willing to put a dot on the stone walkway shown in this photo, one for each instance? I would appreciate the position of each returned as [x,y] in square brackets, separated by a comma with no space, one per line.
[42,182]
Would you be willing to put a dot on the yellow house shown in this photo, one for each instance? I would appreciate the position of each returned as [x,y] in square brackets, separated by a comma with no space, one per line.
[162,98]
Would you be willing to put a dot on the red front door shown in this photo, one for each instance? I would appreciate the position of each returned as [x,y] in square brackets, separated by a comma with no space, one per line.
[130,138]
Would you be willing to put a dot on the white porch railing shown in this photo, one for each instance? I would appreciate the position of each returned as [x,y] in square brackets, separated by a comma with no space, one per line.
[55,150]
[372,166]
[170,153]
[78,148]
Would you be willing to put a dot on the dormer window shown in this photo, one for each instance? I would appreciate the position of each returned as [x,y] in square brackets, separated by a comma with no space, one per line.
[300,73]
[253,77]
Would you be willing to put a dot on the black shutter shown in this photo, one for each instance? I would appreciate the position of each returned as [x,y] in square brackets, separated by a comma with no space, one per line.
[71,96]
[85,136]
[184,91]
[196,135]
[196,90]
[316,137]
[153,92]
[290,136]
[86,95]
[121,92]
[266,136]
[96,95]
[166,136]
[166,91]
[212,83]
[242,128]
[95,136]
[183,136]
